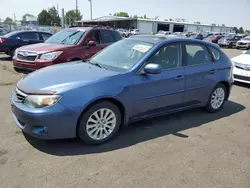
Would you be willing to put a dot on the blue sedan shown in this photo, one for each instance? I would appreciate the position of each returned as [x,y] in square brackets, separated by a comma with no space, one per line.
[133,79]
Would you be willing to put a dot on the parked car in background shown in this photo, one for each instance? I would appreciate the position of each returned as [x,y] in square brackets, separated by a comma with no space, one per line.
[242,67]
[11,41]
[66,45]
[243,43]
[133,79]
[124,32]
[176,35]
[162,32]
[196,36]
[229,41]
[213,38]
[135,31]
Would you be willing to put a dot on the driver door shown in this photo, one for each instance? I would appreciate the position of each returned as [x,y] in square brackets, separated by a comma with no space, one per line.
[89,51]
[158,93]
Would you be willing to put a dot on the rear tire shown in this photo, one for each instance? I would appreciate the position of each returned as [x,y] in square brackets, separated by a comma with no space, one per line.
[99,123]
[217,99]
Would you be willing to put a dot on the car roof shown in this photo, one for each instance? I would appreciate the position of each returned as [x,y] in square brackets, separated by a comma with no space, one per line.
[155,39]
[25,31]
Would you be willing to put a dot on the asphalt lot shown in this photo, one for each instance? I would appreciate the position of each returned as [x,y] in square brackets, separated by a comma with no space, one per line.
[187,149]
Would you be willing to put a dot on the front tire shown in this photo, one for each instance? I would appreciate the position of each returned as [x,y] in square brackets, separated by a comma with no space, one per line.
[99,123]
[217,99]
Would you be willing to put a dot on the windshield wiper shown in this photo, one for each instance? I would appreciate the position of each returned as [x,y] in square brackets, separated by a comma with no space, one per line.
[94,63]
[64,40]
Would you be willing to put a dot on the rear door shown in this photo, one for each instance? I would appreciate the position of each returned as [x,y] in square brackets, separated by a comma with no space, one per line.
[29,38]
[200,73]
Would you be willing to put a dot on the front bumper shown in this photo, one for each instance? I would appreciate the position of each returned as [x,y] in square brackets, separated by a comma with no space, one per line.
[241,75]
[243,45]
[55,122]
[31,66]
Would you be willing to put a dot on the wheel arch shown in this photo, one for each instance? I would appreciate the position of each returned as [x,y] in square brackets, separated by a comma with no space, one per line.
[113,100]
[227,85]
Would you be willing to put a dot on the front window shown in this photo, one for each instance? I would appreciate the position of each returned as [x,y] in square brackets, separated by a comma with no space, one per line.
[67,36]
[122,55]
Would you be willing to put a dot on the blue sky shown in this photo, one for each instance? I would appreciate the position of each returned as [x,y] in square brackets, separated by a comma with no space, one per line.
[229,12]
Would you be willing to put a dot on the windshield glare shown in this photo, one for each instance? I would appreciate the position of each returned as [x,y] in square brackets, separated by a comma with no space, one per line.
[122,55]
[67,36]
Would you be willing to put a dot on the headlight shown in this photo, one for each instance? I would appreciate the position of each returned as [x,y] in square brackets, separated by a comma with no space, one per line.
[40,101]
[51,55]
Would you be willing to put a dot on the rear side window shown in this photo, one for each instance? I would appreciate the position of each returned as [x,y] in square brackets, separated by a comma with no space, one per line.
[117,35]
[196,54]
[107,36]
[29,36]
[215,53]
[45,36]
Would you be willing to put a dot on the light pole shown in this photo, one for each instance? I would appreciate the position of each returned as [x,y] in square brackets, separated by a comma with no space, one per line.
[90,2]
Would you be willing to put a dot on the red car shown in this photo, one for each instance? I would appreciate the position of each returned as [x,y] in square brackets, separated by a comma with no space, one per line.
[213,38]
[67,45]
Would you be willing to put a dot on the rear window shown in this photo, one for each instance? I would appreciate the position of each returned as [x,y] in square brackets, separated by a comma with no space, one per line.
[107,36]
[46,36]
[29,36]
[215,53]
[117,35]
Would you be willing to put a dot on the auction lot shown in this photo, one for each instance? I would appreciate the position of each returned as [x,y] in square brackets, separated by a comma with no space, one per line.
[187,149]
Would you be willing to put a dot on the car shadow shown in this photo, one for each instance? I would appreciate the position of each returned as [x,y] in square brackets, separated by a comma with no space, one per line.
[5,58]
[241,84]
[138,132]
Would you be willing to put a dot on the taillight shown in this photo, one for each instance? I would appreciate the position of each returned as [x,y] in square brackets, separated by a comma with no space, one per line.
[2,40]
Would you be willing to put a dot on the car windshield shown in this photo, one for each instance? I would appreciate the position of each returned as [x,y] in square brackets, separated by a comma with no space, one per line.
[246,38]
[248,52]
[193,36]
[122,55]
[67,36]
[229,36]
[10,34]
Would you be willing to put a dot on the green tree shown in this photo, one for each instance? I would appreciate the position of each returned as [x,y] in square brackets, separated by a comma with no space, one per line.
[71,16]
[213,24]
[135,16]
[236,30]
[44,18]
[8,20]
[241,30]
[223,25]
[197,22]
[121,14]
[54,16]
[24,16]
[247,31]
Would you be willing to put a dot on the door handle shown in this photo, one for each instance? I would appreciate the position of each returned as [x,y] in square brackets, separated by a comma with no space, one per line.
[213,71]
[180,77]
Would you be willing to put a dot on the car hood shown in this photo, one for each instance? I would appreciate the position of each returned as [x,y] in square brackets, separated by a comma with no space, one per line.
[243,59]
[44,47]
[62,77]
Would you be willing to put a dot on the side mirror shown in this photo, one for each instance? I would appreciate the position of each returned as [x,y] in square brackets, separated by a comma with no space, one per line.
[152,68]
[91,43]
[245,51]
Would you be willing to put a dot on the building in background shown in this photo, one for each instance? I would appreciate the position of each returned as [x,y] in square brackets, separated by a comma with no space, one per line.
[30,20]
[147,26]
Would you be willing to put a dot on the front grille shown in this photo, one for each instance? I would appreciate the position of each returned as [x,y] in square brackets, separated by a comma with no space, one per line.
[20,96]
[241,43]
[241,77]
[26,56]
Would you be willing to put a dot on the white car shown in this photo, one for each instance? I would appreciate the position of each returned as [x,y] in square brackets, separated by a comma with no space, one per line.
[241,69]
[135,31]
[244,43]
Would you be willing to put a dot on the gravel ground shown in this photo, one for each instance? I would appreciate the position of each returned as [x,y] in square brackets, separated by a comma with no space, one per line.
[187,149]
